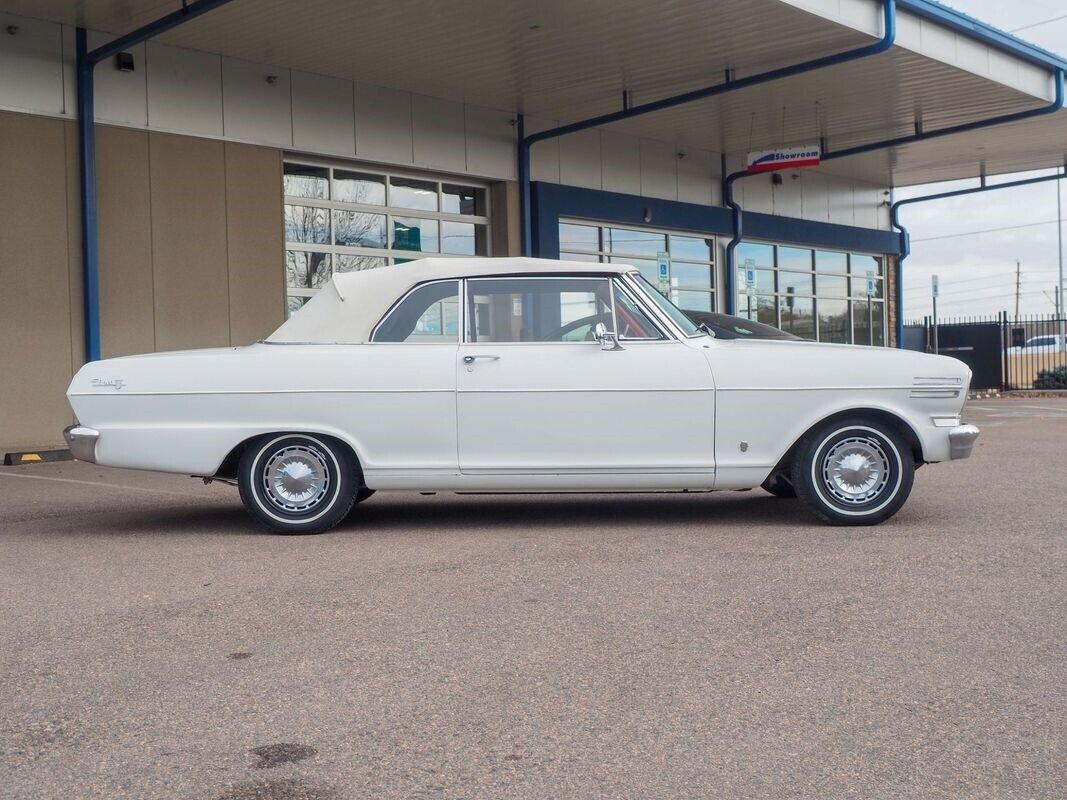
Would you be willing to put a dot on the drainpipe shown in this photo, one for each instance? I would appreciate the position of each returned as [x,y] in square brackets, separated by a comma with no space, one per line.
[905,237]
[86,63]
[731,84]
[919,136]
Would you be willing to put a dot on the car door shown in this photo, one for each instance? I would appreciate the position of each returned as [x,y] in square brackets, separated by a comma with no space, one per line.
[537,394]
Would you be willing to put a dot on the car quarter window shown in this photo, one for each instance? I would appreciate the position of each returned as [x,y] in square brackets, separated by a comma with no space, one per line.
[429,314]
[548,309]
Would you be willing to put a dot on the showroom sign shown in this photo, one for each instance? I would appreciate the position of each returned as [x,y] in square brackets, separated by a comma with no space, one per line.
[785,158]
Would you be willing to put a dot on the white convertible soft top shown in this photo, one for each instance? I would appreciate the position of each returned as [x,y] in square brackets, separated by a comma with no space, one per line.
[347,309]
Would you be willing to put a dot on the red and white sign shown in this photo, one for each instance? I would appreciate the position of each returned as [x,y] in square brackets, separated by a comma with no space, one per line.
[786,158]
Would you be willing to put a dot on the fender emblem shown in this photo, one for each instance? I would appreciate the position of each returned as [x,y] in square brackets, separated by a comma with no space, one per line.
[114,383]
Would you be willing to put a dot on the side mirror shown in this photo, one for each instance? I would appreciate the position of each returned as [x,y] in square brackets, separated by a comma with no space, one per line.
[609,340]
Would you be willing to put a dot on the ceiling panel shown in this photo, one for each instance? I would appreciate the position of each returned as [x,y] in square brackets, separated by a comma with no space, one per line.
[566,61]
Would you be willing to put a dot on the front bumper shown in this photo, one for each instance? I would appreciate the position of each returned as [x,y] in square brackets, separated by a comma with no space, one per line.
[82,442]
[961,440]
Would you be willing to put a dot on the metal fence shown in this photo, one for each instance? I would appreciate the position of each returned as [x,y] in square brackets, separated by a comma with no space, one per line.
[1004,352]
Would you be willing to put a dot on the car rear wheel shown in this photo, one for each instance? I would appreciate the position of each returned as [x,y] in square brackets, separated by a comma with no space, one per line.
[853,472]
[298,483]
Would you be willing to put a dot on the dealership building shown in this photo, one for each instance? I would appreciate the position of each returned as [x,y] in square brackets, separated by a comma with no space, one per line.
[179,175]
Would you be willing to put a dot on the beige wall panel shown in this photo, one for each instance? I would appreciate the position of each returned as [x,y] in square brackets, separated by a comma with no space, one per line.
[254,241]
[124,201]
[74,249]
[189,242]
[504,201]
[35,354]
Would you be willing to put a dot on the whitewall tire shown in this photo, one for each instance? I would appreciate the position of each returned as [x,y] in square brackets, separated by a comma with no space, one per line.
[298,483]
[853,471]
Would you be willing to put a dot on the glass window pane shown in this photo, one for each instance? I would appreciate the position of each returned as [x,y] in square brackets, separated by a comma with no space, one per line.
[304,270]
[879,326]
[761,308]
[640,243]
[343,262]
[826,261]
[408,193]
[356,229]
[358,187]
[797,316]
[307,224]
[463,239]
[692,301]
[861,263]
[794,258]
[428,315]
[833,321]
[794,283]
[538,310]
[593,257]
[859,286]
[578,237]
[764,281]
[831,285]
[762,255]
[463,199]
[861,331]
[302,181]
[421,235]
[294,303]
[691,247]
[696,276]
[631,321]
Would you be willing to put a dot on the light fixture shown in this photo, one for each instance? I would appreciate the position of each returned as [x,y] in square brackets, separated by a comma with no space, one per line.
[124,62]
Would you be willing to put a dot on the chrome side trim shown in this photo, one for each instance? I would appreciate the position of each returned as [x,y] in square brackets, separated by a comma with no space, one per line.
[930,392]
[82,442]
[961,441]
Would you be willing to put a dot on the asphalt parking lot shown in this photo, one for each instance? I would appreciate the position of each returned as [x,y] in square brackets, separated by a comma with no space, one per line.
[153,644]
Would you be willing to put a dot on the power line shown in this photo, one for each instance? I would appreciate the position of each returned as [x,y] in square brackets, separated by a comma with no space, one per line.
[986,230]
[1038,24]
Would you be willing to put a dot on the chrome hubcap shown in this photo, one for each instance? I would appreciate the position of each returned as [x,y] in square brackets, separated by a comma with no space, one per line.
[855,470]
[296,478]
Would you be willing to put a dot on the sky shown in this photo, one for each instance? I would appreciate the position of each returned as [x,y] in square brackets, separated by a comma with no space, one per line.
[972,243]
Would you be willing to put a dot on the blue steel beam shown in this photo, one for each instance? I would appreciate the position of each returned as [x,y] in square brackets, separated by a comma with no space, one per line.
[86,63]
[731,84]
[905,237]
[737,212]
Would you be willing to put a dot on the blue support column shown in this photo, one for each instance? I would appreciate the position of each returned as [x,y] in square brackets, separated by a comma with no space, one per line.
[86,62]
[87,175]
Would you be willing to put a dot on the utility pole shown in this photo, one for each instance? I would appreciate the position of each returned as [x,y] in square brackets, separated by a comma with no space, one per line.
[1018,287]
[1059,283]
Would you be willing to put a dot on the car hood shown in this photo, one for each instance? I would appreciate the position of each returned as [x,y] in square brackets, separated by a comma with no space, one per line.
[786,364]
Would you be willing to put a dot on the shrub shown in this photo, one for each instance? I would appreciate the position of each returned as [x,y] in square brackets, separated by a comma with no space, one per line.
[1055,378]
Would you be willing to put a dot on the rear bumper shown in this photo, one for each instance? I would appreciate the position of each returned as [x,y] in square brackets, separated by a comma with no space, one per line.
[82,442]
[961,441]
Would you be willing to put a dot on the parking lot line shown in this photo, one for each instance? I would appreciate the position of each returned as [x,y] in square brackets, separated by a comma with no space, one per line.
[98,483]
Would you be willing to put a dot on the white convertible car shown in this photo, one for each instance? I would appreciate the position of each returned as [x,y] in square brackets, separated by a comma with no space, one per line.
[521,375]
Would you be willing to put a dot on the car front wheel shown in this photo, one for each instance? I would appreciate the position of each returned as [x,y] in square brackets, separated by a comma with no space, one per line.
[298,483]
[853,472]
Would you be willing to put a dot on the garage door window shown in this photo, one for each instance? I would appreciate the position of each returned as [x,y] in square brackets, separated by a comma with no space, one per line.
[339,219]
[690,282]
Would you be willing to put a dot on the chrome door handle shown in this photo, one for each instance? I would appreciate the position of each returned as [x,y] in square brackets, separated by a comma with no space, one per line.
[472,359]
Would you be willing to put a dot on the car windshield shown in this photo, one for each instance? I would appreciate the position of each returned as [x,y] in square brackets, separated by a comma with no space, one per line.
[678,317]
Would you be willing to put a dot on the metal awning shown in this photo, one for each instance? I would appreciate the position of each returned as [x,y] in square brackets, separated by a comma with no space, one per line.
[559,62]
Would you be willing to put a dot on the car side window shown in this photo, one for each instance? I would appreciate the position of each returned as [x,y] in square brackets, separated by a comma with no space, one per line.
[549,309]
[428,314]
[631,320]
